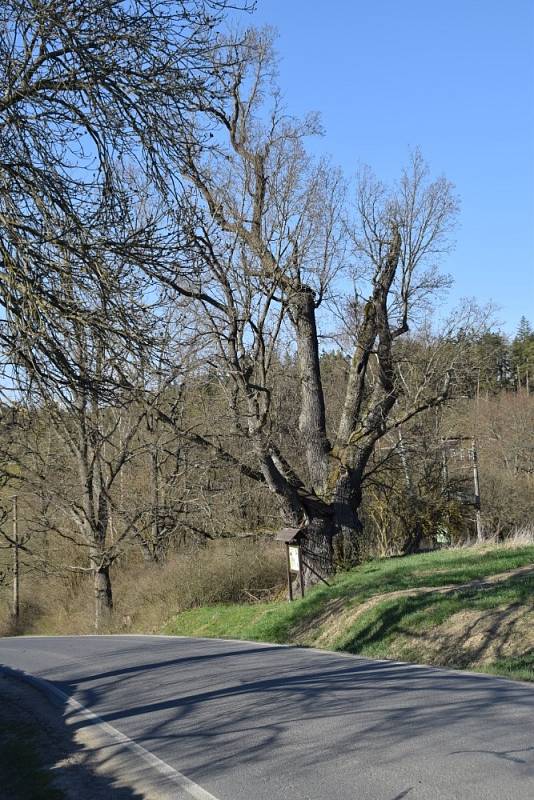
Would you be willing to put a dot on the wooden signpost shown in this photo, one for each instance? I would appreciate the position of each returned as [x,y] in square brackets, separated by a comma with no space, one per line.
[291,537]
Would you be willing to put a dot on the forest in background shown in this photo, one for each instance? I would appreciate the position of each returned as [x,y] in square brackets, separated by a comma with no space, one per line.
[208,334]
[186,528]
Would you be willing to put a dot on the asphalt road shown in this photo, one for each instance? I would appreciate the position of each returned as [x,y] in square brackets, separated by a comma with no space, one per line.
[259,722]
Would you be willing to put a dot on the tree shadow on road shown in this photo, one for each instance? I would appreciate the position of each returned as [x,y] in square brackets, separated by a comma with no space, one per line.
[227,707]
[40,758]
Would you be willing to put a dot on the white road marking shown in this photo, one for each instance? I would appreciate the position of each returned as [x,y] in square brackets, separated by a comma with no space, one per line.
[168,773]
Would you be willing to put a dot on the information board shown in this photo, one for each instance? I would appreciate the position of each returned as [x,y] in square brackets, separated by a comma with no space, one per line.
[294,558]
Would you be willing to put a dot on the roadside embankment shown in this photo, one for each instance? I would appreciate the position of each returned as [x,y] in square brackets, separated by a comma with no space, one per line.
[469,608]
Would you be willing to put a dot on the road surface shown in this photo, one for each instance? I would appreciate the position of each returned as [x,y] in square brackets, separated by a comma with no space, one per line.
[260,722]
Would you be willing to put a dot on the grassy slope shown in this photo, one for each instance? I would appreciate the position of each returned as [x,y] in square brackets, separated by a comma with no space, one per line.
[487,629]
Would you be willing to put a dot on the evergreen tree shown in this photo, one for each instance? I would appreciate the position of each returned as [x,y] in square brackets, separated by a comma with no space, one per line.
[523,353]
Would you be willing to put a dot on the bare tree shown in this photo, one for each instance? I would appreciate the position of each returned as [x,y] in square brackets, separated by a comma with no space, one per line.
[90,89]
[266,244]
[95,431]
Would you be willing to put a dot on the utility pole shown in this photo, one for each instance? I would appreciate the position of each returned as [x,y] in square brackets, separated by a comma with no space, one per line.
[476,481]
[16,563]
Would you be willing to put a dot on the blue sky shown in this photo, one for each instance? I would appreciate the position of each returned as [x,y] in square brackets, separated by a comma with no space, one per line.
[454,77]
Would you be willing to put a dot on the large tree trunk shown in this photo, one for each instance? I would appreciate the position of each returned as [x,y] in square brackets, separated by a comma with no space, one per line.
[334,539]
[332,543]
[347,500]
[317,552]
[312,418]
[336,474]
[103,596]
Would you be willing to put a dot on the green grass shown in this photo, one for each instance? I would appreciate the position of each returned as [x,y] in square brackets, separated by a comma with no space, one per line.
[520,668]
[375,631]
[22,774]
[394,627]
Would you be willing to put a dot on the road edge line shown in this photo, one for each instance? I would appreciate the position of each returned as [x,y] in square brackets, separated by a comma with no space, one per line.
[165,770]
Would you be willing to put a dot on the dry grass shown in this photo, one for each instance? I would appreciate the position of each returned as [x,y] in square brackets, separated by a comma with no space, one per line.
[466,608]
[521,536]
[227,571]
[336,620]
[147,595]
[472,637]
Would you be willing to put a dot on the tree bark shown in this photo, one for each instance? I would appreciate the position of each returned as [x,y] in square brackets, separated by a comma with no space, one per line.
[312,419]
[103,596]
[347,501]
[317,551]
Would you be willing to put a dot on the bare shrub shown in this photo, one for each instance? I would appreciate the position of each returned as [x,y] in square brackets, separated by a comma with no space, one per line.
[521,537]
[226,571]
[30,613]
